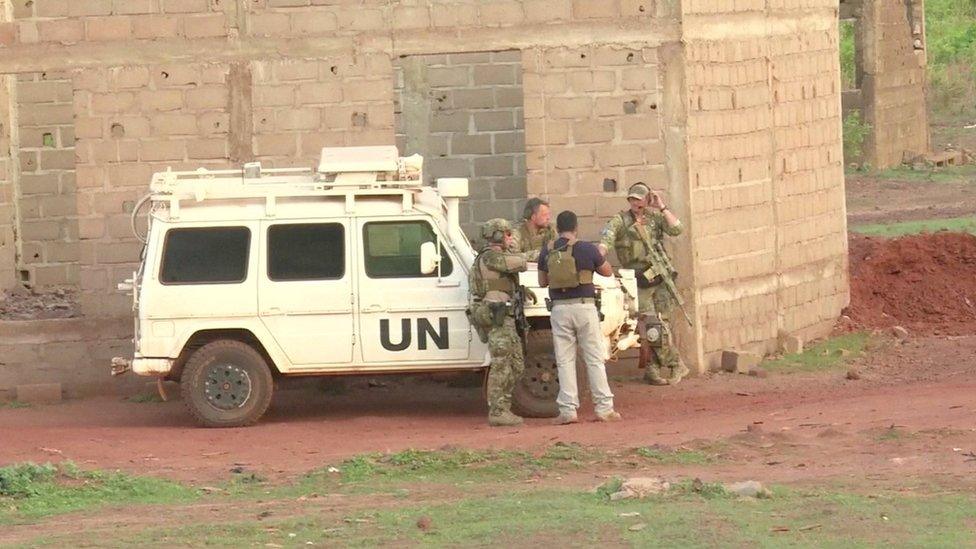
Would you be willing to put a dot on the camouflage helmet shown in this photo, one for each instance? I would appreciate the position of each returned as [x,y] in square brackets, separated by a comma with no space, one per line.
[494,230]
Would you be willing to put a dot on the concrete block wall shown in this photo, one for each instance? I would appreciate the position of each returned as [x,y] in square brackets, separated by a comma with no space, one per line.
[893,57]
[133,121]
[303,105]
[592,114]
[73,352]
[765,172]
[47,200]
[8,217]
[464,113]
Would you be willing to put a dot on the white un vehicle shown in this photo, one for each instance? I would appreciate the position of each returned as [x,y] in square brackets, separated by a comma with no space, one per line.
[357,267]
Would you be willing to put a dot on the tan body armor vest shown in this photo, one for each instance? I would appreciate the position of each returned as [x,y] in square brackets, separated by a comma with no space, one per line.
[563,274]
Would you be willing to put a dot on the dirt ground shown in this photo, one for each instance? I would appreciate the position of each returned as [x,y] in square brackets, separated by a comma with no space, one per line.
[919,385]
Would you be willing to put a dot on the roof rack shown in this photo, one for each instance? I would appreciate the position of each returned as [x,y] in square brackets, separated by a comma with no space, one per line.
[343,172]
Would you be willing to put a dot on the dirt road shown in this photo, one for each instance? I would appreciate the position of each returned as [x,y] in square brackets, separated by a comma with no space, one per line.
[925,384]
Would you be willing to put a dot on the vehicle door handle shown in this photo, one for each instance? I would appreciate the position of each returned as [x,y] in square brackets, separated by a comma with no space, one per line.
[272,311]
[373,309]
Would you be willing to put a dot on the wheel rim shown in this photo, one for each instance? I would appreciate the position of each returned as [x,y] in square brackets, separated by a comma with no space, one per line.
[541,378]
[227,386]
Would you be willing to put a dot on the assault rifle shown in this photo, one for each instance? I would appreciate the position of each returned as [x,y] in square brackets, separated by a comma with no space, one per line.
[518,308]
[661,269]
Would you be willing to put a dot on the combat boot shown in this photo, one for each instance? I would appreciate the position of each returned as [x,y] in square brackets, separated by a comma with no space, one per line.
[653,376]
[678,373]
[504,419]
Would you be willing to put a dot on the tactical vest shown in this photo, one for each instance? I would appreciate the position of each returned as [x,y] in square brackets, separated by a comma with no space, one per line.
[563,274]
[483,280]
[630,247]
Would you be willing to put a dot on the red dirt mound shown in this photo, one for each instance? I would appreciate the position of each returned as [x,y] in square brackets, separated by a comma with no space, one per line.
[926,283]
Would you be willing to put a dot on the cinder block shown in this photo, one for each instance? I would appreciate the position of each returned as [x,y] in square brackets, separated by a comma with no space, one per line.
[448,77]
[158,151]
[174,124]
[317,93]
[275,145]
[569,107]
[314,22]
[592,132]
[205,26]
[63,30]
[57,159]
[160,101]
[159,26]
[369,90]
[494,75]
[594,9]
[538,11]
[501,13]
[108,28]
[513,142]
[297,119]
[39,393]
[410,17]
[739,362]
[471,144]
[482,98]
[177,75]
[135,7]
[494,121]
[185,6]
[493,166]
[31,184]
[87,8]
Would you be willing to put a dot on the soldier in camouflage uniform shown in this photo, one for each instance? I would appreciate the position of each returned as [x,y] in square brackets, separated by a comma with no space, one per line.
[493,281]
[534,230]
[629,233]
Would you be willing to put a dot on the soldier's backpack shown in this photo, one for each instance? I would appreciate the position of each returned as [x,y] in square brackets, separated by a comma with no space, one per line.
[562,268]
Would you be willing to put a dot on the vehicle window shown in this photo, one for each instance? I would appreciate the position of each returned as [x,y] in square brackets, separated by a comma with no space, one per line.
[313,251]
[393,249]
[205,255]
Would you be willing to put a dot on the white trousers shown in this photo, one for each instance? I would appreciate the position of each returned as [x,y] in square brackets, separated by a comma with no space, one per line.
[574,323]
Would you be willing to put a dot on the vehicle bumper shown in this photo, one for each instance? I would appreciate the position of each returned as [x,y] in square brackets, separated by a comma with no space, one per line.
[142,366]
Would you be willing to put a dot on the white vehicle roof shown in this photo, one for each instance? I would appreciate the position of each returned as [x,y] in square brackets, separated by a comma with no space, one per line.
[347,179]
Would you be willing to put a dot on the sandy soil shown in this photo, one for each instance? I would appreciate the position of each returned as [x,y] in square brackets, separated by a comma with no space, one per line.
[923,384]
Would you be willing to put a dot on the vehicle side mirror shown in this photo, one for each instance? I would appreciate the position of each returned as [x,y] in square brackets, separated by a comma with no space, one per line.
[429,258]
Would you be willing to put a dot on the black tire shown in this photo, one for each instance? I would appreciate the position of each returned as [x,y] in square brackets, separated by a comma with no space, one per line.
[245,390]
[535,394]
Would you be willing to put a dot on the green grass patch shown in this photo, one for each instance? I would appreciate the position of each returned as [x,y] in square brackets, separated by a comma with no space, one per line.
[14,404]
[679,456]
[950,174]
[954,224]
[372,472]
[29,491]
[692,514]
[824,355]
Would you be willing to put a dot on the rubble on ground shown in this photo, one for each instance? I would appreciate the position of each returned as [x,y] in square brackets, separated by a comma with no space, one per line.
[20,303]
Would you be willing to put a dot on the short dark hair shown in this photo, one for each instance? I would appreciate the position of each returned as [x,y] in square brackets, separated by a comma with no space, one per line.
[532,206]
[566,221]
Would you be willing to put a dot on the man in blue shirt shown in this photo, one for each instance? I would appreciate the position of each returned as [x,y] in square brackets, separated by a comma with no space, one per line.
[566,266]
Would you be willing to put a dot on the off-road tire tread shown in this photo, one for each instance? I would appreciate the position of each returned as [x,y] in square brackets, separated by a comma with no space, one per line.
[536,341]
[262,376]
